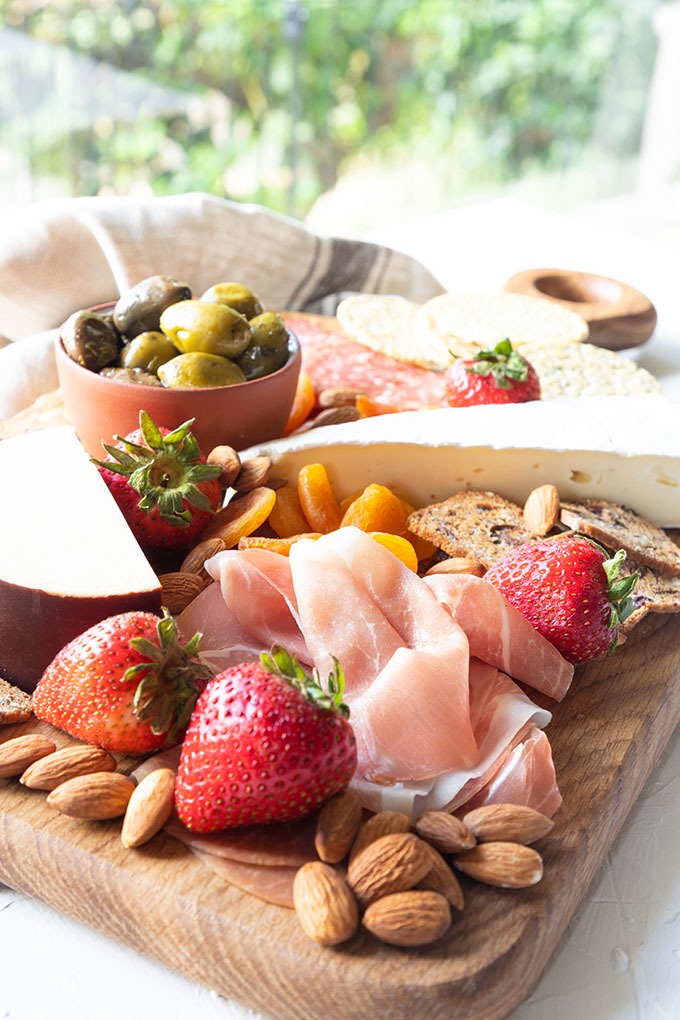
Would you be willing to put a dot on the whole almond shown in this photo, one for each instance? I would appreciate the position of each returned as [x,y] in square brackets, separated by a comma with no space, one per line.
[335,416]
[337,826]
[179,588]
[338,396]
[389,864]
[254,472]
[441,878]
[194,561]
[17,753]
[458,565]
[381,824]
[507,865]
[324,903]
[514,823]
[413,918]
[149,807]
[542,509]
[97,796]
[445,832]
[230,462]
[75,760]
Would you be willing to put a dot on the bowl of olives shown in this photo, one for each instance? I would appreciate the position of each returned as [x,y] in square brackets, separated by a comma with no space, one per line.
[221,359]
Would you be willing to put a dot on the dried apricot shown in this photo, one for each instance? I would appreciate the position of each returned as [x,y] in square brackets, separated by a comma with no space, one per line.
[278,545]
[303,404]
[319,505]
[401,547]
[287,517]
[369,408]
[241,516]
[377,508]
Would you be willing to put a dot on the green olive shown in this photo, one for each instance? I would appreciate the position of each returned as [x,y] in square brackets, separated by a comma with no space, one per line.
[195,369]
[237,296]
[131,375]
[148,351]
[269,330]
[139,309]
[90,340]
[206,327]
[257,361]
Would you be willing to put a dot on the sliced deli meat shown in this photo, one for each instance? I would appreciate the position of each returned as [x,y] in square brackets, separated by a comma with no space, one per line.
[67,556]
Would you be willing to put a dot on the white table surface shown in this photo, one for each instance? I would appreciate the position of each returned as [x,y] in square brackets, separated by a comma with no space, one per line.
[620,956]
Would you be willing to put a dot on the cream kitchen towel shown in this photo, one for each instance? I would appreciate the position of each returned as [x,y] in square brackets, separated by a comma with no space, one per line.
[61,255]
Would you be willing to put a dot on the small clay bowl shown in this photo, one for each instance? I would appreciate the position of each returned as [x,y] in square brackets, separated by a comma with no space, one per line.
[241,415]
[618,316]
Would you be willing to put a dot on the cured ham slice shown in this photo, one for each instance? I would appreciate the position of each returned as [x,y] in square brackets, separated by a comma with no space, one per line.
[500,635]
[525,776]
[272,884]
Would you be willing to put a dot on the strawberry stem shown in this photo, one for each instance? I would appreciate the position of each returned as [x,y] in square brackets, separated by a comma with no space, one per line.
[281,663]
[619,589]
[504,363]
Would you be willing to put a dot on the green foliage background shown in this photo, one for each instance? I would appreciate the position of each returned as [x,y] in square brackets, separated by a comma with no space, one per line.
[281,97]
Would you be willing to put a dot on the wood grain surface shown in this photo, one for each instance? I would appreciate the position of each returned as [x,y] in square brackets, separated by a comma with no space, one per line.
[606,736]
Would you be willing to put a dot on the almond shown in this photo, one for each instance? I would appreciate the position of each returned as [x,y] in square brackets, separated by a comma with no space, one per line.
[445,832]
[179,588]
[149,807]
[440,878]
[389,864]
[230,462]
[380,824]
[514,823]
[507,865]
[254,472]
[337,826]
[194,561]
[76,760]
[96,796]
[458,565]
[325,905]
[413,918]
[335,416]
[17,753]
[338,396]
[542,509]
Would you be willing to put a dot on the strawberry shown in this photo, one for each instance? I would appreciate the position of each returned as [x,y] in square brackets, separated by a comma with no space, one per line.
[570,591]
[124,684]
[266,743]
[498,376]
[162,484]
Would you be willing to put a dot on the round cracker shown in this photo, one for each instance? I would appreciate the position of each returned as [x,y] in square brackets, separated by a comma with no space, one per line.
[584,370]
[387,323]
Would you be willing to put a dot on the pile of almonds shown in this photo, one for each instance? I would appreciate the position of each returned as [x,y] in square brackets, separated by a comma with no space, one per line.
[399,880]
[81,781]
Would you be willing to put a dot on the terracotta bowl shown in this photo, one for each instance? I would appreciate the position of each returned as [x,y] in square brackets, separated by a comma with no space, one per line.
[618,316]
[239,416]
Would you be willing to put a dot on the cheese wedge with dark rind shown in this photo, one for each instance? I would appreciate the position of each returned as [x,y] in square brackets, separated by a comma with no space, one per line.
[67,556]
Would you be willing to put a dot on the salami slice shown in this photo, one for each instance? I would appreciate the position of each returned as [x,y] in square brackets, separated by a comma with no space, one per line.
[331,358]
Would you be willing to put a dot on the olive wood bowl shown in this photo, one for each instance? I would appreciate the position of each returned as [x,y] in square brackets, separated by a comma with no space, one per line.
[618,316]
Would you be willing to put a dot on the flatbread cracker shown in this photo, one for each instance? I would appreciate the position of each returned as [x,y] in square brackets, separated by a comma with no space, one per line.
[583,370]
[619,527]
[15,705]
[467,323]
[388,323]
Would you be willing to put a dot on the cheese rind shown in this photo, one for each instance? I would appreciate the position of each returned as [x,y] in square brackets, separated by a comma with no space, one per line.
[625,449]
[67,556]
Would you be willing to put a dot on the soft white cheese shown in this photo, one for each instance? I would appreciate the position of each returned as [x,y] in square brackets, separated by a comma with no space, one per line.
[625,449]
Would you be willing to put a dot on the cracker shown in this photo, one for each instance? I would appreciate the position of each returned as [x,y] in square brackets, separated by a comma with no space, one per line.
[388,324]
[15,705]
[619,527]
[583,370]
[653,593]
[472,523]
[467,323]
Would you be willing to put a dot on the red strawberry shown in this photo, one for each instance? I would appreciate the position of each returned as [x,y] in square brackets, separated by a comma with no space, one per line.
[265,744]
[179,491]
[124,684]
[500,376]
[569,591]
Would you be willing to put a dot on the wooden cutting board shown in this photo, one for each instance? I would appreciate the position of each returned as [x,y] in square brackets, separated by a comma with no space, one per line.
[607,736]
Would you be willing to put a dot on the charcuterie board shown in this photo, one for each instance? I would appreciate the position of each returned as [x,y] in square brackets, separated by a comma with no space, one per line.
[164,902]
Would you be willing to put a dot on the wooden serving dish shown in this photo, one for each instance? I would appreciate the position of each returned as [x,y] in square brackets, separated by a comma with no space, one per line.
[618,316]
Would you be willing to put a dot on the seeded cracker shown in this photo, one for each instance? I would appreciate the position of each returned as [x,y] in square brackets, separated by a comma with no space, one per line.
[619,527]
[466,323]
[388,324]
[583,370]
[15,705]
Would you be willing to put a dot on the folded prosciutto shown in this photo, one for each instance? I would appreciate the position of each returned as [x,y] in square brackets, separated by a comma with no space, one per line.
[437,718]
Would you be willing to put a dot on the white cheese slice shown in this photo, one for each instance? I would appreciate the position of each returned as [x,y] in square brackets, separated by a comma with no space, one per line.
[625,449]
[67,556]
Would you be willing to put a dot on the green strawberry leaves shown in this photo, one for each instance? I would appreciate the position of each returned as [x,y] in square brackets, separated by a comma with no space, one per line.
[619,589]
[503,363]
[282,664]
